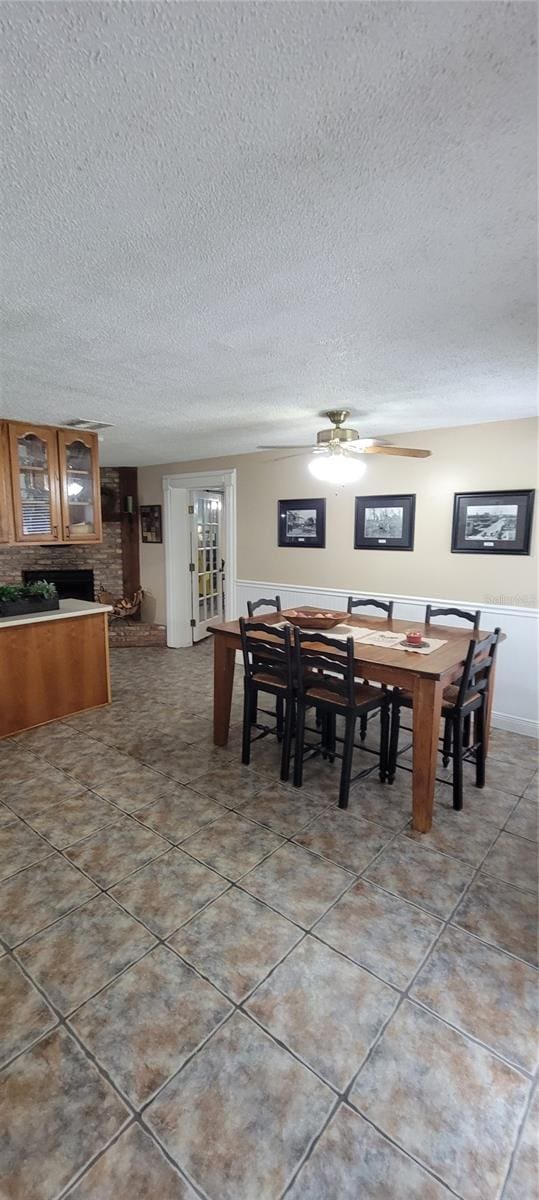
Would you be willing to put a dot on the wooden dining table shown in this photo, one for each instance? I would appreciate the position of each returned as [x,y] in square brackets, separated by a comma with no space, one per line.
[424,675]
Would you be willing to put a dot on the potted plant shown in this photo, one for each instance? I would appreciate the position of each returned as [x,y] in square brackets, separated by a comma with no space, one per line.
[17,599]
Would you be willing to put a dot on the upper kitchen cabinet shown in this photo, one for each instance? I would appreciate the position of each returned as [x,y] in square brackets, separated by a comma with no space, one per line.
[51,477]
[35,483]
[79,480]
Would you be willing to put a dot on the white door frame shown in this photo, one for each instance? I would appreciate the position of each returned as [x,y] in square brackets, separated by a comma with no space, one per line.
[176,490]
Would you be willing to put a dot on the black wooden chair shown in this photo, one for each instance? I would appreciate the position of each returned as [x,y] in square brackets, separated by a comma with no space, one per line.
[474,618]
[404,699]
[387,607]
[253,605]
[462,613]
[337,695]
[460,700]
[268,668]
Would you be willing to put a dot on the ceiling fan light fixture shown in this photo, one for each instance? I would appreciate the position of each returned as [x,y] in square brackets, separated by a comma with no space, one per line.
[336,468]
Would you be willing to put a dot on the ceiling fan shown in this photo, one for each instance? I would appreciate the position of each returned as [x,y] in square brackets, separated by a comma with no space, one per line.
[338,451]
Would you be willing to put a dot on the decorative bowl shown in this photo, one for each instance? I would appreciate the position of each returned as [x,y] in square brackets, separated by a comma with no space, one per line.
[313,621]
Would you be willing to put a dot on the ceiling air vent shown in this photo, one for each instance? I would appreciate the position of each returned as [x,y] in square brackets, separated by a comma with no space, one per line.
[94,426]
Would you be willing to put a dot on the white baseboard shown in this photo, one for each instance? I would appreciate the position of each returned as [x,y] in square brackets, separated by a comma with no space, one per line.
[517,701]
[515,724]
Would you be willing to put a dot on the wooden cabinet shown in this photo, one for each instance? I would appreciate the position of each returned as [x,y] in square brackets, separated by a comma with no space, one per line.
[79,478]
[51,485]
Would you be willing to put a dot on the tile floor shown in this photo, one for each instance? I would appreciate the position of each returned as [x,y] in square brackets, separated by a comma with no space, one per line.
[212,985]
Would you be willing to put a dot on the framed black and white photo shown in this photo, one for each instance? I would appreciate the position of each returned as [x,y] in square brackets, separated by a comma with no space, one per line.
[384,523]
[302,523]
[492,522]
[150,523]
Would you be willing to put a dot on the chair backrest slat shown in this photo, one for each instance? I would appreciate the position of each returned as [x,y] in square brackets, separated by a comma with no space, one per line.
[318,652]
[267,648]
[272,602]
[463,614]
[385,605]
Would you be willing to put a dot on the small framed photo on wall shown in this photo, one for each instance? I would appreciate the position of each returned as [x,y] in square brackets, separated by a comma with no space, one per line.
[150,523]
[384,523]
[492,522]
[302,523]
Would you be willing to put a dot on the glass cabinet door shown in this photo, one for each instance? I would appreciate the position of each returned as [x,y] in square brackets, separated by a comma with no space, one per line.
[80,486]
[6,509]
[34,471]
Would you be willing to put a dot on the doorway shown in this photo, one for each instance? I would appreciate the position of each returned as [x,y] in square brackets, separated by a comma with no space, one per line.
[207,565]
[186,543]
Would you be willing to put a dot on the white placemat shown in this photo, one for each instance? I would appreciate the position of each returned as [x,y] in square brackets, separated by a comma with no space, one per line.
[373,637]
[346,631]
[392,641]
[338,631]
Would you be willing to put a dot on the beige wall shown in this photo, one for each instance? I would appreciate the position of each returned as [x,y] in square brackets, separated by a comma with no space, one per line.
[472,458]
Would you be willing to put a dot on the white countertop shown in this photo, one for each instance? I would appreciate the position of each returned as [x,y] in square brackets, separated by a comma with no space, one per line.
[68,608]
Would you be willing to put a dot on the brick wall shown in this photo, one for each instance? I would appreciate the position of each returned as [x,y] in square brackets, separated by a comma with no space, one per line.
[103,558]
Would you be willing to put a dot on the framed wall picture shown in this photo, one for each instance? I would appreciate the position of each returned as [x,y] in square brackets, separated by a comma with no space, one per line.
[384,523]
[492,522]
[150,523]
[302,523]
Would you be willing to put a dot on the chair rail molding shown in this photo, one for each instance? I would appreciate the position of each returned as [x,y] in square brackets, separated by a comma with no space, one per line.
[176,540]
[516,700]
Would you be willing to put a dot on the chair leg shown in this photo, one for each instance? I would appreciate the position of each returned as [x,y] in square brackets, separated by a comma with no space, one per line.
[279,717]
[332,736]
[300,738]
[348,754]
[457,765]
[479,734]
[287,739]
[253,707]
[328,735]
[466,732]
[393,739]
[384,741]
[324,734]
[446,749]
[247,721]
[363,728]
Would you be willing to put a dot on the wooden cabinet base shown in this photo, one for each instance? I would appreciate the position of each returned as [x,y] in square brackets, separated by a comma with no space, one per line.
[52,669]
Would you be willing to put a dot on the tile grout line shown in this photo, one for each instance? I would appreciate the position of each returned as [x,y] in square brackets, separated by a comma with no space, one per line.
[64,1193]
[519,1136]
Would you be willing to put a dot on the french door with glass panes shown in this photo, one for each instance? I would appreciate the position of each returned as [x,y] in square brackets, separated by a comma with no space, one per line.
[207,563]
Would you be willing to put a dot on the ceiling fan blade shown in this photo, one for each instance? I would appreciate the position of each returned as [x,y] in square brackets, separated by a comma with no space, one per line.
[281,447]
[405,451]
[297,454]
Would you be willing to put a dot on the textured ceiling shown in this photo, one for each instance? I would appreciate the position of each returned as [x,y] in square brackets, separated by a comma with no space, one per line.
[222,218]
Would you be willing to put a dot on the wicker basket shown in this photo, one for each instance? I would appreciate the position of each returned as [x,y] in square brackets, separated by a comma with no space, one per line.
[304,621]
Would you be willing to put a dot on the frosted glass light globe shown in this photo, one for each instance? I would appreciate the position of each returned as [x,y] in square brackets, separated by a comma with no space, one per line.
[336,468]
